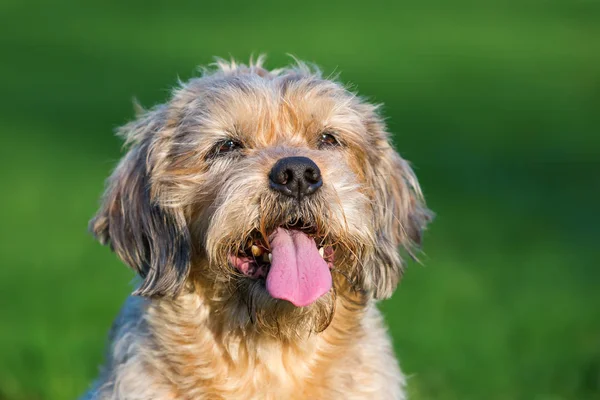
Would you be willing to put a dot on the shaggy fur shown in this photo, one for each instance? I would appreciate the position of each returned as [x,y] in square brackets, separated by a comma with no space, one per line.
[175,209]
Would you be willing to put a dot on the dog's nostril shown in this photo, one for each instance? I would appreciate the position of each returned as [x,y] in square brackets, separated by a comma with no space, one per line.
[295,177]
[312,175]
[287,176]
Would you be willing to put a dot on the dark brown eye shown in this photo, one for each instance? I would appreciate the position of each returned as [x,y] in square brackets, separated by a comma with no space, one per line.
[227,146]
[328,140]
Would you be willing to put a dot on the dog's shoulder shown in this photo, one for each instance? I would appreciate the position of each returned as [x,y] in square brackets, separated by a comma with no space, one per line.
[129,319]
[125,373]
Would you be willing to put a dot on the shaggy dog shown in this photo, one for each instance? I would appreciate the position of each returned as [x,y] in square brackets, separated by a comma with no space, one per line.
[263,211]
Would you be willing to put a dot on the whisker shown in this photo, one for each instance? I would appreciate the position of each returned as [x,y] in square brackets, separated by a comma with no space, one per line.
[353,285]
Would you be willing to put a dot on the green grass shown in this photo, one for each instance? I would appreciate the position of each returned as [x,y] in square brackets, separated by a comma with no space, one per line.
[498,107]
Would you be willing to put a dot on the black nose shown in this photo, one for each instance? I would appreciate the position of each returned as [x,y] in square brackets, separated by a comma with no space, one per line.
[295,177]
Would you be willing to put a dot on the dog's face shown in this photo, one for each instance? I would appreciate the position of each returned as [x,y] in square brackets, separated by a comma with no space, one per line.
[271,192]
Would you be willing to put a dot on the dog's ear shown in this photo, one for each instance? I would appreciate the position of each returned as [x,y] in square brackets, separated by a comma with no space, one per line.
[152,239]
[400,217]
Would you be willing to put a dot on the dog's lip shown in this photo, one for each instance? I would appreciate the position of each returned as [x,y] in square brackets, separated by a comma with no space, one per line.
[261,241]
[254,259]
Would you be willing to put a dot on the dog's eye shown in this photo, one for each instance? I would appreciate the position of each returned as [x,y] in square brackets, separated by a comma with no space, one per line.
[227,146]
[328,140]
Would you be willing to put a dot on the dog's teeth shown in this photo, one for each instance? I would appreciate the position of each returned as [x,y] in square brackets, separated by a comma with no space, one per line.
[257,251]
[270,257]
[322,251]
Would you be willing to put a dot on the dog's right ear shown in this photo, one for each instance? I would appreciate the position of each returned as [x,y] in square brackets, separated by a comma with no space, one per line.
[152,239]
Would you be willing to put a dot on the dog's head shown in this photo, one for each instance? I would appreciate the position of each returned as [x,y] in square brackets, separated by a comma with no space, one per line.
[269,191]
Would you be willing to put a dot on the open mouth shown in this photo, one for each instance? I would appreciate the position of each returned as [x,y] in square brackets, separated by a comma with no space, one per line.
[295,263]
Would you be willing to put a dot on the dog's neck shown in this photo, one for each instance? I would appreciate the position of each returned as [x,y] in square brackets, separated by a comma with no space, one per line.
[209,354]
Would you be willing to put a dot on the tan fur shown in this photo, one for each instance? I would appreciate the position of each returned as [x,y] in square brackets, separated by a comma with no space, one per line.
[173,211]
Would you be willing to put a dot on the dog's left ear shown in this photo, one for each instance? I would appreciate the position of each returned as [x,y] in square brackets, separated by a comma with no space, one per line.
[400,217]
[152,239]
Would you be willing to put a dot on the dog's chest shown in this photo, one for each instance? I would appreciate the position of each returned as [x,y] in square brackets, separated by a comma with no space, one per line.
[202,363]
[268,371]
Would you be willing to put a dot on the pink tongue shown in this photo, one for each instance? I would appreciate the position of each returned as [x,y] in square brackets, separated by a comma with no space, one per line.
[298,273]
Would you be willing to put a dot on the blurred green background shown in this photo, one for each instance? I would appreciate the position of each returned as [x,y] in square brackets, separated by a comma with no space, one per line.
[497,104]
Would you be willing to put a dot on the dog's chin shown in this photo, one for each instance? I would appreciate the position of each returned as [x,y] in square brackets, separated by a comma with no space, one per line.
[281,319]
[284,280]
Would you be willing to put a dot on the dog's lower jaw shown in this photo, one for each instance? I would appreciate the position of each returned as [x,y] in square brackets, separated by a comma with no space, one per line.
[169,349]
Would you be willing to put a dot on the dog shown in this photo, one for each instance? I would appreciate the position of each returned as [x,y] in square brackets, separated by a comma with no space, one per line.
[263,211]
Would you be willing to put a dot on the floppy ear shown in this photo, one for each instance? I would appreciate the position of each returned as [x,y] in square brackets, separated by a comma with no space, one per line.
[400,217]
[151,239]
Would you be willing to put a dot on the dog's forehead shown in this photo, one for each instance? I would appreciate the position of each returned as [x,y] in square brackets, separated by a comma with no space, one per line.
[264,112]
